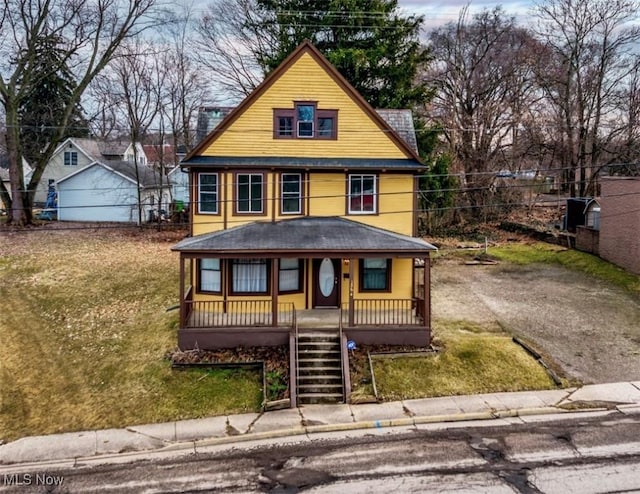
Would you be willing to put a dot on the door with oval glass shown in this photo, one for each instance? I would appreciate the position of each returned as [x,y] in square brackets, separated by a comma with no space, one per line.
[326,282]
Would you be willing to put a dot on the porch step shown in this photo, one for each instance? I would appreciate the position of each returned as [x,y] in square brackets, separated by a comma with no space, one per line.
[320,377]
[320,398]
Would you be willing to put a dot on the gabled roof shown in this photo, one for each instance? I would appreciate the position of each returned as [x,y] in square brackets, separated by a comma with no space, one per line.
[148,178]
[95,149]
[306,47]
[305,236]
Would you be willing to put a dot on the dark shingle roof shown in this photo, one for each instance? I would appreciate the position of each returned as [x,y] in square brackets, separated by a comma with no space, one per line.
[402,122]
[311,163]
[305,236]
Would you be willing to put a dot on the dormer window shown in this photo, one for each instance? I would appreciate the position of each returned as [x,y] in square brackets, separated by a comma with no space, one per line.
[305,121]
[306,118]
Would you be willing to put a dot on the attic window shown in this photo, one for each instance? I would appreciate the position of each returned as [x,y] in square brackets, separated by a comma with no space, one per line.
[70,158]
[306,118]
[305,121]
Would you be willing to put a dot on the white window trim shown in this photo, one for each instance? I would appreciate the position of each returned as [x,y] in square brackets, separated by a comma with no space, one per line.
[208,192]
[375,194]
[70,154]
[262,193]
[282,197]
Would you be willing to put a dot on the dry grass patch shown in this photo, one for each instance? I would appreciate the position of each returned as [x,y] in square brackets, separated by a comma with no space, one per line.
[470,360]
[85,331]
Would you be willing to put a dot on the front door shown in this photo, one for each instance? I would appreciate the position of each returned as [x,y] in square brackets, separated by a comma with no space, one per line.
[326,286]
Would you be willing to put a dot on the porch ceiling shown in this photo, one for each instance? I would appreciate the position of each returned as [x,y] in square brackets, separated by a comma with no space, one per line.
[307,236]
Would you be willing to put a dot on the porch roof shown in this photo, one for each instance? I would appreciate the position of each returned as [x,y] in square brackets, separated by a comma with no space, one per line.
[298,163]
[307,236]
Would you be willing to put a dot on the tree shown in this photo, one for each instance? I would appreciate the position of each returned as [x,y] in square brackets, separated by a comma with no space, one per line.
[483,79]
[43,106]
[88,34]
[131,84]
[374,47]
[229,39]
[590,46]
[184,87]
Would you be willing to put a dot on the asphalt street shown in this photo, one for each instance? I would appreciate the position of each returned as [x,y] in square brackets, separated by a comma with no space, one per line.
[592,452]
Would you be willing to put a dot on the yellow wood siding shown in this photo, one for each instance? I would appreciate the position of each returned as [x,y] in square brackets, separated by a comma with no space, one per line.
[252,133]
[327,197]
[401,273]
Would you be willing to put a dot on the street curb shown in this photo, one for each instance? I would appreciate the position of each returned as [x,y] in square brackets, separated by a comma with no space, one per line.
[193,447]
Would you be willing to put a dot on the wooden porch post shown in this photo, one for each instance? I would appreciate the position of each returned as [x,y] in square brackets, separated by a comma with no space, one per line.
[275,287]
[427,292]
[351,294]
[183,308]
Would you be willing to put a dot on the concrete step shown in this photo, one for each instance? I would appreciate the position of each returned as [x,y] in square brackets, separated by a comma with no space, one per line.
[318,362]
[320,371]
[330,340]
[319,381]
[330,355]
[307,389]
[319,344]
[320,399]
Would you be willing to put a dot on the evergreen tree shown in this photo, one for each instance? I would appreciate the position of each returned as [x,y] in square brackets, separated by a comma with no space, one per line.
[42,110]
[375,48]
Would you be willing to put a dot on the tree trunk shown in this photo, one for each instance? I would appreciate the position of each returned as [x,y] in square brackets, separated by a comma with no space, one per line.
[20,211]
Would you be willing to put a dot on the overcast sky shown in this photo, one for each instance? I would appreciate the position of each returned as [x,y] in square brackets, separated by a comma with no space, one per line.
[443,11]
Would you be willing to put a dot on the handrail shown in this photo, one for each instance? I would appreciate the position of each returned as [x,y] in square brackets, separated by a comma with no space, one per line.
[237,313]
[386,312]
[343,349]
[297,354]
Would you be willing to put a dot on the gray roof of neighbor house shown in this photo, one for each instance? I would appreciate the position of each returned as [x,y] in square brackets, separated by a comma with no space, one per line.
[4,174]
[148,177]
[96,148]
[305,236]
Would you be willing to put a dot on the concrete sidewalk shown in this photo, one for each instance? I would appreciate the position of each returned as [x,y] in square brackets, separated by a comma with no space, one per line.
[71,448]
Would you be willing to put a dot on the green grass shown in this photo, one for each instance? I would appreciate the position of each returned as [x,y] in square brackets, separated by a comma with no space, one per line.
[471,360]
[85,331]
[568,258]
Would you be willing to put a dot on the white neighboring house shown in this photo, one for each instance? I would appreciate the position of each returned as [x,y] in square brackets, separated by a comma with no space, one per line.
[4,175]
[75,153]
[108,192]
[179,181]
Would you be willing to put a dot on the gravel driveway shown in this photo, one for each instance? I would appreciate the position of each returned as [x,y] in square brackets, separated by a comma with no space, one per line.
[587,326]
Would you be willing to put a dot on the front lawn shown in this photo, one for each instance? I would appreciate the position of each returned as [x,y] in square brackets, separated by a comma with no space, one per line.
[85,330]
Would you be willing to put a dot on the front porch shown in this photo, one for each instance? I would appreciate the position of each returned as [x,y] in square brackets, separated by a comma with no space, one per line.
[219,324]
[258,283]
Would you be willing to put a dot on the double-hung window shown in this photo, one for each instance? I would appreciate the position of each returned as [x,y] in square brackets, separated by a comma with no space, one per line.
[208,193]
[250,193]
[291,193]
[249,276]
[70,158]
[306,118]
[305,121]
[363,194]
[210,279]
[375,274]
[290,275]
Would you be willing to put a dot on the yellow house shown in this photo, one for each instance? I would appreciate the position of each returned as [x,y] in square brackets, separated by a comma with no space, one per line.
[303,215]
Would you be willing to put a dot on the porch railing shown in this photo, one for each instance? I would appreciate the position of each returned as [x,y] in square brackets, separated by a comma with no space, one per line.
[383,312]
[238,313]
